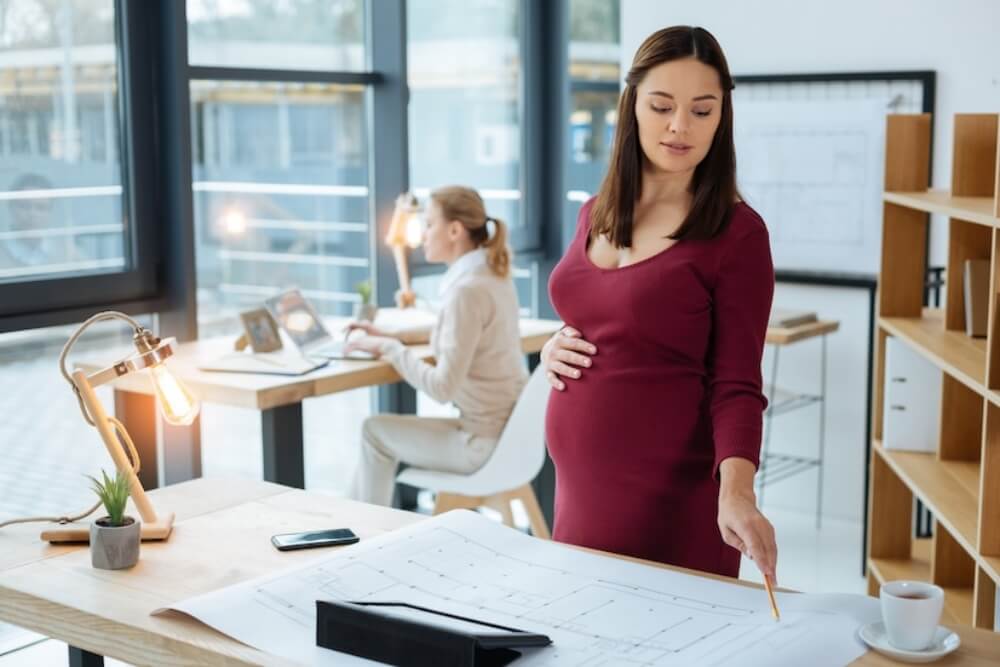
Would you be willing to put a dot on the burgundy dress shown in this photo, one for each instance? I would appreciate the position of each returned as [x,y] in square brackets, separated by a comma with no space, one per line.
[675,388]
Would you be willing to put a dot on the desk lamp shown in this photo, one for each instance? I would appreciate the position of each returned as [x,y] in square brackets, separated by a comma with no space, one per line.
[405,233]
[176,405]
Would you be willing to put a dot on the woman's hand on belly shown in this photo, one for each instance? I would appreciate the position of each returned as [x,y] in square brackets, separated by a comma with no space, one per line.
[564,355]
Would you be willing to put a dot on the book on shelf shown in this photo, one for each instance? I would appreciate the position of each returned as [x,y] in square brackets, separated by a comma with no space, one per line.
[786,318]
[977,296]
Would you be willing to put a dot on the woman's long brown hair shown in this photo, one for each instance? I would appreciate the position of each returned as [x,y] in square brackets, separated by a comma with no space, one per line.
[714,181]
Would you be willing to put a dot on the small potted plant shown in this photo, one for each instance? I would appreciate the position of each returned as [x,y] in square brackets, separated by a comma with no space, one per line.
[114,539]
[365,310]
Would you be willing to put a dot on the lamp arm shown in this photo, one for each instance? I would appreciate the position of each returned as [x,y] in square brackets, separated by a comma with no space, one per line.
[99,317]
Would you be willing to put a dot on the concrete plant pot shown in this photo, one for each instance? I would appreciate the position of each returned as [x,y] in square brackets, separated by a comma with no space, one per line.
[114,547]
[365,312]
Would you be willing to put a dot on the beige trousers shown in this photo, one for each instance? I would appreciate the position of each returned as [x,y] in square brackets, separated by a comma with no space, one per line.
[424,442]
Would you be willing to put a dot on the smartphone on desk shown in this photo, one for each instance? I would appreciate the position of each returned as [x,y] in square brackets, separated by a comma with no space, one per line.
[314,538]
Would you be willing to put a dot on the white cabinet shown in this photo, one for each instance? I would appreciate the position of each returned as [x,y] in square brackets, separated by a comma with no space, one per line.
[912,415]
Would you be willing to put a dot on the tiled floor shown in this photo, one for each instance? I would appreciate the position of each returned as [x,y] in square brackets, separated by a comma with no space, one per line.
[44,443]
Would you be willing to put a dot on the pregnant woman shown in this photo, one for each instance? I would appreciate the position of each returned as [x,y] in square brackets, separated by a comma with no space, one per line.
[655,424]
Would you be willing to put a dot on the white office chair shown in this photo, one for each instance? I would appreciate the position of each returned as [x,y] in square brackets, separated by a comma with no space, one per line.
[507,474]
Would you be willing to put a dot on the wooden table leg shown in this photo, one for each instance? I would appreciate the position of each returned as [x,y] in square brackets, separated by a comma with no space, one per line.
[284,461]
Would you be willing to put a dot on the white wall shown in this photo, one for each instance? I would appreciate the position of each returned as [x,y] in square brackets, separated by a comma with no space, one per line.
[957,39]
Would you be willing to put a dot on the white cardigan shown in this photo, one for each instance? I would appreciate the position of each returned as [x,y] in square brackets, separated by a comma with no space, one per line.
[477,347]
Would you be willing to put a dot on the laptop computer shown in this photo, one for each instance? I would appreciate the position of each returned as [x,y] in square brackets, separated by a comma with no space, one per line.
[312,345]
[297,318]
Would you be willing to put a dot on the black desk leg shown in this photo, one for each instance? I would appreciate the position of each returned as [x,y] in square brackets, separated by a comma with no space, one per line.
[182,444]
[284,462]
[545,483]
[399,399]
[80,658]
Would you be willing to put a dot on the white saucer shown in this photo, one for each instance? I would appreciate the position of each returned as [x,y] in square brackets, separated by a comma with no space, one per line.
[945,641]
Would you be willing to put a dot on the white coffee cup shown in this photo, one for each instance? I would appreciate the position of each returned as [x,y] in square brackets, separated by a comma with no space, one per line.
[911,611]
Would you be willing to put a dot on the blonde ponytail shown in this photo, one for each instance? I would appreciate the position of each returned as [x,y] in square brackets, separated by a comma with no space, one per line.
[466,206]
[498,254]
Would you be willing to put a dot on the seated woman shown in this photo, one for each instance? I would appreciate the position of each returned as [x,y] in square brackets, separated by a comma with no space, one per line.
[477,347]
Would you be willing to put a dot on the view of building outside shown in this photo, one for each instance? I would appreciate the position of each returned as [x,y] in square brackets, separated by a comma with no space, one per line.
[595,79]
[280,179]
[278,34]
[61,197]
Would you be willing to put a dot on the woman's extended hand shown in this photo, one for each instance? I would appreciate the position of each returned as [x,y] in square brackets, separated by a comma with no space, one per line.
[564,354]
[373,345]
[367,327]
[742,525]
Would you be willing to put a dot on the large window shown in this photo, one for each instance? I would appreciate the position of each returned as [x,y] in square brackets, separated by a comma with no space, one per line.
[61,196]
[464,62]
[291,34]
[595,80]
[280,192]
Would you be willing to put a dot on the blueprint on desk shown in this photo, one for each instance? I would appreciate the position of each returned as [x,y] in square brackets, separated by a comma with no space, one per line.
[598,610]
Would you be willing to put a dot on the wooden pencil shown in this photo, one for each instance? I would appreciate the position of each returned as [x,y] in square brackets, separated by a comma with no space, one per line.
[770,596]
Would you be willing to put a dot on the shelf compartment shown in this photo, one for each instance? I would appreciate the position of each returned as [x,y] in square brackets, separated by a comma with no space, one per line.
[960,356]
[962,433]
[970,209]
[916,567]
[949,496]
[954,570]
[966,241]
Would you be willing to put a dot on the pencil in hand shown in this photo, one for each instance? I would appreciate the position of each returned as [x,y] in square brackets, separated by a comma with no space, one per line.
[770,596]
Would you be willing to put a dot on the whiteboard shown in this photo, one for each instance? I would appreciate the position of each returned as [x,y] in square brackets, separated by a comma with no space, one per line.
[810,159]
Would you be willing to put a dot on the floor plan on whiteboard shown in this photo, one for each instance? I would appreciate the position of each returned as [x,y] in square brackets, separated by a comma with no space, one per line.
[814,173]
[597,610]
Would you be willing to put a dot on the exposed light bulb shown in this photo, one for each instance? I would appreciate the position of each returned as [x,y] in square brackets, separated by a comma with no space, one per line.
[414,230]
[176,403]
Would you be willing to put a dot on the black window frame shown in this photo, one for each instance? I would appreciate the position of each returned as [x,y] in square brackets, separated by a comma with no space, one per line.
[48,301]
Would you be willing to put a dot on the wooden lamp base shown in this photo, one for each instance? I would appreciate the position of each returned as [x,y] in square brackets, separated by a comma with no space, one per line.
[155,531]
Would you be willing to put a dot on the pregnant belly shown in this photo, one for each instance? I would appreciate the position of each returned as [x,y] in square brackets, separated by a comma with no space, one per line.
[628,423]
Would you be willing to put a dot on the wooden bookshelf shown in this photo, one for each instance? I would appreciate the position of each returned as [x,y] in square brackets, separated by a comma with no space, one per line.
[959,482]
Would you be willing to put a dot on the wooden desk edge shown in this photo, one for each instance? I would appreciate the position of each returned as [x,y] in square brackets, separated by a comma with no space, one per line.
[784,336]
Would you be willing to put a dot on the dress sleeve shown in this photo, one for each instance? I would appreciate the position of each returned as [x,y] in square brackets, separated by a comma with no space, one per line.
[463,319]
[741,308]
